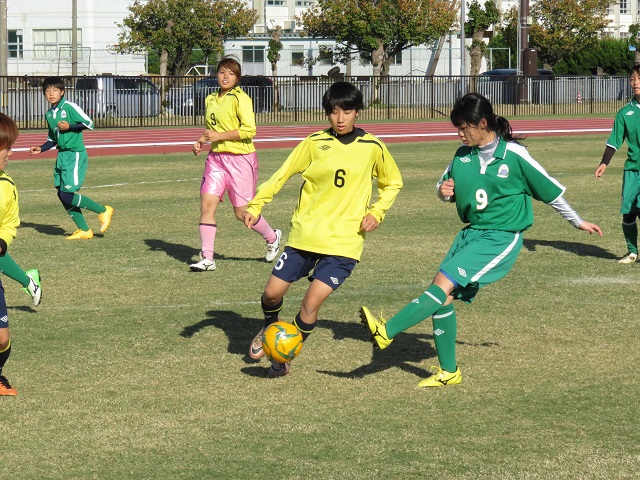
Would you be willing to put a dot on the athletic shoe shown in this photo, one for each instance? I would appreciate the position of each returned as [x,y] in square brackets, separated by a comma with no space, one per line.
[272,248]
[203,265]
[442,378]
[629,258]
[35,286]
[376,328]
[278,369]
[255,349]
[105,218]
[5,387]
[81,235]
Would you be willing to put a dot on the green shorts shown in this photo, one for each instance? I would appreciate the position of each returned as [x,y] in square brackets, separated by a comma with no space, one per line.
[70,170]
[630,191]
[478,258]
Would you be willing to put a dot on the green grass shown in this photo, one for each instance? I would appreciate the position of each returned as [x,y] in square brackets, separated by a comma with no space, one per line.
[135,368]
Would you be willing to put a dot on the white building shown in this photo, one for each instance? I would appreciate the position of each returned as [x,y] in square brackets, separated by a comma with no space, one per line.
[39,40]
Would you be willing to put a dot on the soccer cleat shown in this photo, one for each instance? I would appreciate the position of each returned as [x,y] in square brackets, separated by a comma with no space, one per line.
[278,369]
[255,349]
[35,286]
[105,218]
[272,248]
[81,235]
[5,388]
[441,378]
[629,258]
[376,328]
[203,265]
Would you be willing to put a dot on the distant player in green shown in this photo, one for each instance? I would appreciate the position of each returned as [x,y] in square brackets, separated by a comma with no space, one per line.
[491,179]
[66,121]
[333,214]
[9,222]
[627,127]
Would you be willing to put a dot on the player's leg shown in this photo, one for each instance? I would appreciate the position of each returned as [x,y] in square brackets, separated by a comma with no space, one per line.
[5,347]
[30,280]
[629,210]
[66,183]
[242,171]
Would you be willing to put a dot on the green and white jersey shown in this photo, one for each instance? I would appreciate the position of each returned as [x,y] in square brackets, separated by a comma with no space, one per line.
[336,190]
[626,126]
[232,111]
[73,114]
[497,195]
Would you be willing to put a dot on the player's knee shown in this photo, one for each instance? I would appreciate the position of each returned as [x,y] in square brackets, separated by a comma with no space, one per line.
[629,218]
[65,197]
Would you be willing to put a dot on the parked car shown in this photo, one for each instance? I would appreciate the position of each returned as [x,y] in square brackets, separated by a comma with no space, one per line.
[189,100]
[115,96]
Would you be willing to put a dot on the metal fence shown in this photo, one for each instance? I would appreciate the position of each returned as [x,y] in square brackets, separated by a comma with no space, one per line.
[153,101]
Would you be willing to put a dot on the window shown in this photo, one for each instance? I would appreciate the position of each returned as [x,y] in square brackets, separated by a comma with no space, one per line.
[277,3]
[54,43]
[297,55]
[624,8]
[397,59]
[14,38]
[325,55]
[252,54]
[305,3]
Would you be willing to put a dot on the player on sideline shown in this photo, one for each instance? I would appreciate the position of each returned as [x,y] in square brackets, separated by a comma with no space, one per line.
[66,121]
[491,179]
[625,127]
[333,214]
[232,163]
[9,221]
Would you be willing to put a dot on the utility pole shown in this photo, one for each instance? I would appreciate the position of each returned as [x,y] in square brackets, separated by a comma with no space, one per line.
[463,14]
[4,45]
[74,37]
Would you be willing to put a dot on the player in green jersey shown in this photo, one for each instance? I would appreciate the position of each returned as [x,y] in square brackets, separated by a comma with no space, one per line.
[491,179]
[66,121]
[333,214]
[626,126]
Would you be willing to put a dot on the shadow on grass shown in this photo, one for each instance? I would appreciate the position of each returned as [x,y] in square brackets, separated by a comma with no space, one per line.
[581,249]
[407,348]
[186,254]
[53,230]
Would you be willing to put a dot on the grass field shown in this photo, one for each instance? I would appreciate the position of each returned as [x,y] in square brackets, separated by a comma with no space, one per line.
[135,368]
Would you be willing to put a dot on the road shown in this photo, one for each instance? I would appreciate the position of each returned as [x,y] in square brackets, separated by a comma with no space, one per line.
[138,141]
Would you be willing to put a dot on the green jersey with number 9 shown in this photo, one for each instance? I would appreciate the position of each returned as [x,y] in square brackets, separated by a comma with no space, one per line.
[496,194]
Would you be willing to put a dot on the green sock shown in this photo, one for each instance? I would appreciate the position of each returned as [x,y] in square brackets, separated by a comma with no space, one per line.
[76,215]
[630,233]
[444,336]
[413,313]
[11,269]
[83,201]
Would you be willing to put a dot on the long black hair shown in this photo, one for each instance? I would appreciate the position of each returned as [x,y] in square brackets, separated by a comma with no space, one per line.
[472,108]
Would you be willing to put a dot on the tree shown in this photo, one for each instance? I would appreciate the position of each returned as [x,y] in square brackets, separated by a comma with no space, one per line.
[378,28]
[506,37]
[562,27]
[479,21]
[174,28]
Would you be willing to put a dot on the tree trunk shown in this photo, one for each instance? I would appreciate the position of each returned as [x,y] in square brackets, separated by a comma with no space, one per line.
[377,60]
[475,52]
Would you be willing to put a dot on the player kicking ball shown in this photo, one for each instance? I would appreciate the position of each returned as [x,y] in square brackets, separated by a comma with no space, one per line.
[491,179]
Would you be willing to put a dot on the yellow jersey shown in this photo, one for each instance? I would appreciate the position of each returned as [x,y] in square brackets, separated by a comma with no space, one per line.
[232,111]
[336,191]
[9,211]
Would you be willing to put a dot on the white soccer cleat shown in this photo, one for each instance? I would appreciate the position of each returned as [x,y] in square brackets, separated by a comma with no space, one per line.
[203,265]
[629,258]
[272,248]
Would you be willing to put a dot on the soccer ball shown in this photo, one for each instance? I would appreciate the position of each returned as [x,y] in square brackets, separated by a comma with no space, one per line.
[281,342]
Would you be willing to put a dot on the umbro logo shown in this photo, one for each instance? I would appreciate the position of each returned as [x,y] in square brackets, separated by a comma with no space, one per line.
[4,319]
[465,159]
[415,300]
[630,113]
[438,332]
[462,272]
[335,280]
[324,147]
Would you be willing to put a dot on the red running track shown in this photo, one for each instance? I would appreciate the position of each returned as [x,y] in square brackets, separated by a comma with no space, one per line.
[171,140]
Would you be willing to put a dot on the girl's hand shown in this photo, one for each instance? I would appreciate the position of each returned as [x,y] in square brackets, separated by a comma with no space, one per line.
[211,136]
[447,188]
[63,126]
[248,219]
[369,223]
[196,148]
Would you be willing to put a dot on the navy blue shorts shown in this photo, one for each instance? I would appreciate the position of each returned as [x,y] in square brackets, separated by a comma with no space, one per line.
[4,315]
[294,264]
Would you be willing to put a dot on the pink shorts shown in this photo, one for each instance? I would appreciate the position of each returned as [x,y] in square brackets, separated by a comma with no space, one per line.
[236,174]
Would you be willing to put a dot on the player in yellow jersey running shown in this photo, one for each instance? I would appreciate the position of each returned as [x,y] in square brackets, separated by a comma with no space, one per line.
[232,163]
[333,213]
